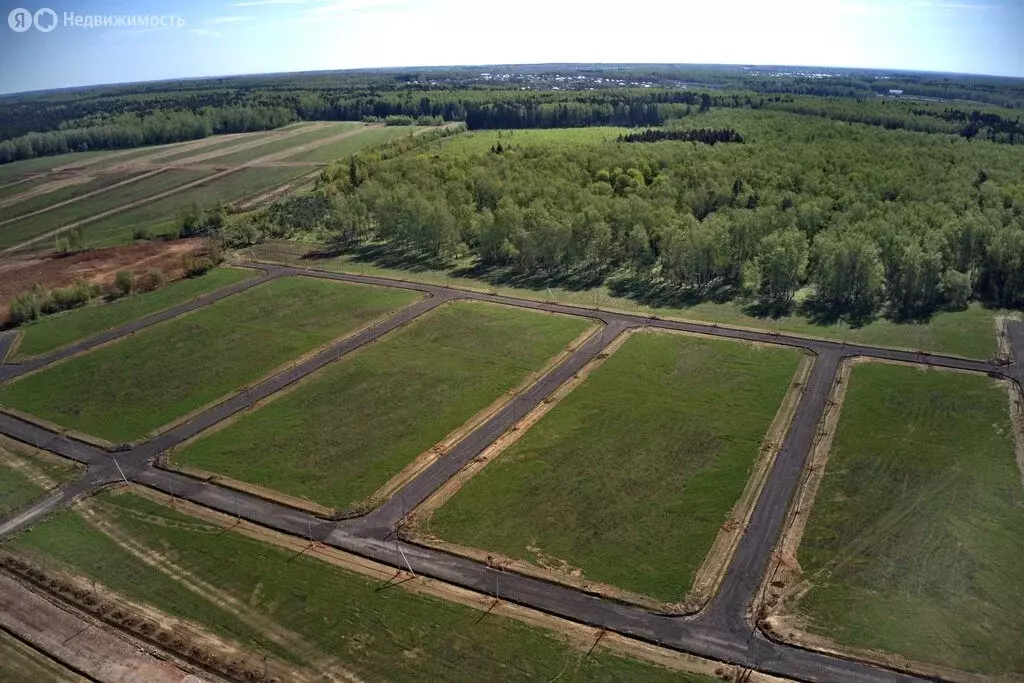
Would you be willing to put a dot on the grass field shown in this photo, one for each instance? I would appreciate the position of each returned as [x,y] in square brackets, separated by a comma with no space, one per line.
[360,421]
[32,226]
[631,476]
[55,331]
[163,216]
[377,634]
[59,195]
[915,541]
[17,485]
[275,146]
[968,333]
[483,140]
[124,391]
[212,146]
[22,663]
[343,148]
[11,172]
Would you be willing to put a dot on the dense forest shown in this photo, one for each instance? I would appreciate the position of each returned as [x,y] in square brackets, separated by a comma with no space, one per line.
[551,96]
[872,220]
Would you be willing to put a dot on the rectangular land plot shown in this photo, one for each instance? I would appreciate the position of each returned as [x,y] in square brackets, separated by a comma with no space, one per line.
[55,331]
[32,226]
[301,611]
[345,433]
[341,149]
[314,133]
[630,477]
[163,216]
[58,194]
[126,390]
[915,542]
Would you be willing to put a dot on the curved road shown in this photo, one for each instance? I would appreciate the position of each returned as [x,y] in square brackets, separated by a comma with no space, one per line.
[721,632]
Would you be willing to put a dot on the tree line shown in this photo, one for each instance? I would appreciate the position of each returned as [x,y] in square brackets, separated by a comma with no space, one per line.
[708,136]
[871,221]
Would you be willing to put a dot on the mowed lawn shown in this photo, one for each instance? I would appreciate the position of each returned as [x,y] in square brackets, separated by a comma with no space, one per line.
[344,434]
[124,391]
[55,331]
[630,477]
[915,544]
[392,634]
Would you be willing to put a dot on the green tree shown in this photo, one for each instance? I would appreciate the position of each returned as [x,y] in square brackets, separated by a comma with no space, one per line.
[848,276]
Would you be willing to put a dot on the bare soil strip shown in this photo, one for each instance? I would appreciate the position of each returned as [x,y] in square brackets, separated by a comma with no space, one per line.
[582,637]
[87,195]
[81,642]
[44,188]
[785,583]
[710,574]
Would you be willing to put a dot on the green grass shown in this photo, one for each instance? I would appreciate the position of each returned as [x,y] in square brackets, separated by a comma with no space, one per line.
[283,144]
[11,172]
[32,226]
[123,391]
[22,663]
[221,145]
[388,634]
[18,490]
[163,217]
[631,476]
[969,333]
[60,195]
[482,141]
[350,145]
[360,421]
[55,331]
[916,539]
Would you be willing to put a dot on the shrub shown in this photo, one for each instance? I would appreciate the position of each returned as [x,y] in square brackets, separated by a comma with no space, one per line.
[124,283]
[195,265]
[66,298]
[956,289]
[152,279]
[141,234]
[25,308]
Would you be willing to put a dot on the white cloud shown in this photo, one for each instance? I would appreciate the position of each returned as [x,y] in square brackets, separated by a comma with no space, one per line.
[228,20]
[210,33]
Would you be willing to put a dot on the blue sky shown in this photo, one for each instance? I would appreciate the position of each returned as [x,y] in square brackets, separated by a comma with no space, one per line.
[222,37]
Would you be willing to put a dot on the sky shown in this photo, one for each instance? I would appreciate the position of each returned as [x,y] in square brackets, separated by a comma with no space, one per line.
[226,37]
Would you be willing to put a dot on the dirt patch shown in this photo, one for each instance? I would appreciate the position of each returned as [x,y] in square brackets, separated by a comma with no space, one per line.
[44,188]
[19,273]
[584,638]
[25,466]
[81,642]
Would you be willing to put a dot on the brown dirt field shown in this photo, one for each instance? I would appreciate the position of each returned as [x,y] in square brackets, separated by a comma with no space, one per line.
[80,641]
[578,635]
[19,273]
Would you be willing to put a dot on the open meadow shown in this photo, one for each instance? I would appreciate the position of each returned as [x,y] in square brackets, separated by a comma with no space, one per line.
[629,478]
[54,331]
[914,542]
[26,474]
[357,423]
[127,389]
[299,610]
[29,227]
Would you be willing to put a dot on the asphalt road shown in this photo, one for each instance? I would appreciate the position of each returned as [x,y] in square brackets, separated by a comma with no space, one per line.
[721,631]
